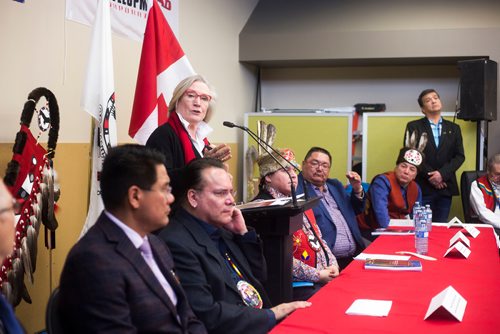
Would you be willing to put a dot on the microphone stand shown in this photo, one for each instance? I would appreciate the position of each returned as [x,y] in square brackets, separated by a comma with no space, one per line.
[259,142]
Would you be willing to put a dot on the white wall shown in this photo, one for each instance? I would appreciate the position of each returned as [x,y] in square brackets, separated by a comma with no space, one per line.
[326,87]
[336,33]
[41,48]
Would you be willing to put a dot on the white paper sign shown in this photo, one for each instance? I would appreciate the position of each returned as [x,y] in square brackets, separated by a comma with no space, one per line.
[473,232]
[374,308]
[459,236]
[460,248]
[455,222]
[451,301]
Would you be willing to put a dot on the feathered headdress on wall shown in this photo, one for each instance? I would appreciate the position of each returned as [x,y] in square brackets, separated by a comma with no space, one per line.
[30,178]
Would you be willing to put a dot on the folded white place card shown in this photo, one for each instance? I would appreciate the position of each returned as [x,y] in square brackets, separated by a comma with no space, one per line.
[371,307]
[459,236]
[449,301]
[460,248]
[474,232]
[455,222]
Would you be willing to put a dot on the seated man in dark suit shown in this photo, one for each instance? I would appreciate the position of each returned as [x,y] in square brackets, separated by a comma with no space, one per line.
[336,213]
[118,277]
[218,259]
[8,321]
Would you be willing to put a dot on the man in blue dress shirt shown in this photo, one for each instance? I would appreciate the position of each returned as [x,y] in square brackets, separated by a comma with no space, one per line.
[336,213]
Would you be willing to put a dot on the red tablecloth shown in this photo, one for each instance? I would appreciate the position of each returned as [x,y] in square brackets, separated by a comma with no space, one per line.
[477,279]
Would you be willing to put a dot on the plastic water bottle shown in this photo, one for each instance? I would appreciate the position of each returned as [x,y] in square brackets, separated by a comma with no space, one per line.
[428,215]
[416,208]
[421,233]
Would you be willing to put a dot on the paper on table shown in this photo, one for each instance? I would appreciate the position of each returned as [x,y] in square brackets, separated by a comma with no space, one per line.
[364,256]
[281,201]
[267,202]
[371,307]
[401,222]
[392,231]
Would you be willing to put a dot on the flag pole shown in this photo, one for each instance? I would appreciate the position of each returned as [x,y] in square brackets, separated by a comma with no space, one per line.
[91,155]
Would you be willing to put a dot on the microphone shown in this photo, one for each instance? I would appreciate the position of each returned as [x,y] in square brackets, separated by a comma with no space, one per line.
[261,143]
[232,125]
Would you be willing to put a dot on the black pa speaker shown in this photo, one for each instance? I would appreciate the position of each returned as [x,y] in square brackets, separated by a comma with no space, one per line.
[478,90]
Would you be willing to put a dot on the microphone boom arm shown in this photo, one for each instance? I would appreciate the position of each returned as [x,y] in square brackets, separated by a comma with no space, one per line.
[261,143]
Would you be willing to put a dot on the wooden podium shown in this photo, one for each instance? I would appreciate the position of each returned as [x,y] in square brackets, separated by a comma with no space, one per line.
[276,224]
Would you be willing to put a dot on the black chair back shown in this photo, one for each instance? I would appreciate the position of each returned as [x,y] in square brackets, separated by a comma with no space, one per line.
[465,183]
[52,320]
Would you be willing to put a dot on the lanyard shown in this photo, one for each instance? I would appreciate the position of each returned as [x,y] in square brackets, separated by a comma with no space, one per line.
[233,266]
[320,241]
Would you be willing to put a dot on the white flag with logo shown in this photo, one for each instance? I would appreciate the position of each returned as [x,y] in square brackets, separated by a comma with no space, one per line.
[98,99]
[128,17]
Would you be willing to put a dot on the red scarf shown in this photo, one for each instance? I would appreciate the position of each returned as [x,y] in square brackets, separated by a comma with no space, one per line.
[182,134]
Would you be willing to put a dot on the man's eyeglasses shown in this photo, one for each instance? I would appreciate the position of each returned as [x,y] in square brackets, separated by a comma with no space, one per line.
[167,190]
[316,164]
[192,95]
[222,193]
[16,206]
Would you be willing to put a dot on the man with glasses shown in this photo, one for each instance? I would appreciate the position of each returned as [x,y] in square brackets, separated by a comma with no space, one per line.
[219,259]
[485,194]
[8,321]
[118,277]
[336,213]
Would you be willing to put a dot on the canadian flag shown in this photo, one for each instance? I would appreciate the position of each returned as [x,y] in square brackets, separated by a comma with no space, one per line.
[163,65]
[98,99]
